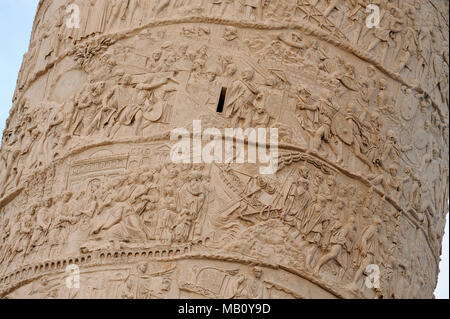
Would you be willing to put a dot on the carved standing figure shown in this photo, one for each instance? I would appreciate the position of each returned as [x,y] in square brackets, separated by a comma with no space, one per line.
[367,250]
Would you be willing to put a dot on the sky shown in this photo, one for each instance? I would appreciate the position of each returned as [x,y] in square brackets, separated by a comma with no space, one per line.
[16,21]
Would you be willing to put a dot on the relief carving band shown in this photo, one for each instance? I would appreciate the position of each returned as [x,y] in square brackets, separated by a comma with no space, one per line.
[104,167]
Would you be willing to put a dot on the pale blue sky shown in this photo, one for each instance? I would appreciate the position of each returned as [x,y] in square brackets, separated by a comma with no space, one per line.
[16,21]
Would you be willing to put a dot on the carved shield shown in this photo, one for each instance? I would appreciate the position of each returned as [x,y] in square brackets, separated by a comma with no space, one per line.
[154,112]
[342,128]
[408,111]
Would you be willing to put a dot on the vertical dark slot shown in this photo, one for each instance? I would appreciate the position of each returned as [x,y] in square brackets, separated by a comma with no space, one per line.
[223,95]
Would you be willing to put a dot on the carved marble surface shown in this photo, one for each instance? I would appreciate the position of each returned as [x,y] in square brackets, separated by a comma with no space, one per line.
[86,175]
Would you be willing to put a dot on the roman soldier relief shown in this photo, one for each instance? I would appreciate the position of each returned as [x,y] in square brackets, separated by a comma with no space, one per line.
[117,155]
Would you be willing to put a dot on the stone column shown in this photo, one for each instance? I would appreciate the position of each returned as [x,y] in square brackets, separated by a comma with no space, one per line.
[355,97]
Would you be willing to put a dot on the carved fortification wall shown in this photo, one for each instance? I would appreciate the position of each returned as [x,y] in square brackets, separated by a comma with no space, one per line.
[86,176]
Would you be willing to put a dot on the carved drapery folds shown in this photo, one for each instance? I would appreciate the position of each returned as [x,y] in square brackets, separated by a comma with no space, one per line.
[86,176]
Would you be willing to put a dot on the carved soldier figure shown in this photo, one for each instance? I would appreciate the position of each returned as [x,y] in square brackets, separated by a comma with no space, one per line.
[391,150]
[119,224]
[43,222]
[148,107]
[145,195]
[87,100]
[166,223]
[163,291]
[192,197]
[324,112]
[341,245]
[353,135]
[255,288]
[367,86]
[253,8]
[406,49]
[141,282]
[52,137]
[383,33]
[10,151]
[183,225]
[393,183]
[223,4]
[260,118]
[61,224]
[373,150]
[22,237]
[117,13]
[97,17]
[346,75]
[242,94]
[439,64]
[367,249]
[423,49]
[107,116]
[235,287]
[66,33]
[8,246]
[135,6]
[357,16]
[314,228]
[298,200]
[5,228]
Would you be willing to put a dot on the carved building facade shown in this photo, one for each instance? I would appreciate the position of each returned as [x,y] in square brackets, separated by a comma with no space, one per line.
[86,176]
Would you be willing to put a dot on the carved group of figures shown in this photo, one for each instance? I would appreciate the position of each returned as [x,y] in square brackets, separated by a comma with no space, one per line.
[146,280]
[323,225]
[405,41]
[77,20]
[330,229]
[137,282]
[116,97]
[164,204]
[168,206]
[102,106]
[212,282]
[414,44]
[356,119]
[336,130]
[38,135]
[359,112]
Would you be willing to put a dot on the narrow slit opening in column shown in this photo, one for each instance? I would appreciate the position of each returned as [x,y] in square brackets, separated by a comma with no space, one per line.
[221,104]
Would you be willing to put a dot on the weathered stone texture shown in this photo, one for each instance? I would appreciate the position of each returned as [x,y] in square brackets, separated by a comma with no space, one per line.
[86,176]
